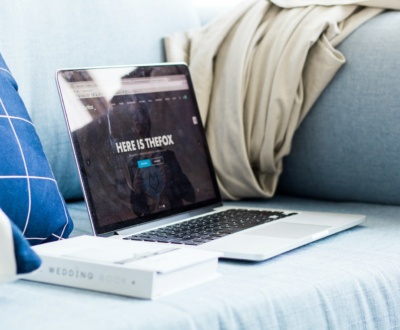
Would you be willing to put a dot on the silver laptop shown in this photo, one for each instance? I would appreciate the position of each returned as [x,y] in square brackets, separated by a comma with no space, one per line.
[147,173]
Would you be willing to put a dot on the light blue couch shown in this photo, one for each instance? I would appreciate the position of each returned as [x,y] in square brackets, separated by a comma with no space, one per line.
[345,158]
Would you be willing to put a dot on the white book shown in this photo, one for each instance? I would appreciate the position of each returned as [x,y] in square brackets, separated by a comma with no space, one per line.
[128,268]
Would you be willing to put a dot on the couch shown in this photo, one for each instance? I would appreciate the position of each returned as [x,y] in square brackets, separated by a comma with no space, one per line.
[344,158]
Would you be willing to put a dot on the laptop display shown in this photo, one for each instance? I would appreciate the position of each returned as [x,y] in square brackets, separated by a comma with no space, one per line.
[139,143]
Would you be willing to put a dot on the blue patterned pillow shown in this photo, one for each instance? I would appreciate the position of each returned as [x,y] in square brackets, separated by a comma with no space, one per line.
[29,194]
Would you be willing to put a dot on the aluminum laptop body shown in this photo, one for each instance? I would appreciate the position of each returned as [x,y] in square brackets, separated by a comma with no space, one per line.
[144,163]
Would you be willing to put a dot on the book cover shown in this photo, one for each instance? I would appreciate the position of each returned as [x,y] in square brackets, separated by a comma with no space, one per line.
[129,268]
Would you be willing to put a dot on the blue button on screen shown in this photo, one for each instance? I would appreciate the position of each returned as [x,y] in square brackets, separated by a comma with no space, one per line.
[144,163]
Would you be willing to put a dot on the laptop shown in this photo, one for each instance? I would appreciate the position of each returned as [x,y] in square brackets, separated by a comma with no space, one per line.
[147,173]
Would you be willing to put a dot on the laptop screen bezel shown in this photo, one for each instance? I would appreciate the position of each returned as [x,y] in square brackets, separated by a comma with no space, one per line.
[109,229]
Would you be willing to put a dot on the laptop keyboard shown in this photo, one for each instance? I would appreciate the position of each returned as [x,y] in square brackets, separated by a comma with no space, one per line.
[210,227]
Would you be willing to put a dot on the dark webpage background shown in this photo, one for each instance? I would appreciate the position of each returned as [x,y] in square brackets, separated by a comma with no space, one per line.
[110,175]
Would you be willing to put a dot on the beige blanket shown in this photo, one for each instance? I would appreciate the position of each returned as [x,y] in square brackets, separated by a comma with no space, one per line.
[257,71]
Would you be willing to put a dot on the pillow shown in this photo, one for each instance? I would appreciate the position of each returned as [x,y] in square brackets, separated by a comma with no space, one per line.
[29,194]
[16,255]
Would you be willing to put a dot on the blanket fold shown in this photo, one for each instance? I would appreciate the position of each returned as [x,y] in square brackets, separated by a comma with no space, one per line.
[257,71]
[387,4]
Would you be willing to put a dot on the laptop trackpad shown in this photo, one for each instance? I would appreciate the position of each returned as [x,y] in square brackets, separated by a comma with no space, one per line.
[287,230]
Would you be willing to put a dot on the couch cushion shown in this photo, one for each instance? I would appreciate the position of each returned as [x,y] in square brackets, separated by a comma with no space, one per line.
[348,146]
[41,36]
[347,281]
[29,194]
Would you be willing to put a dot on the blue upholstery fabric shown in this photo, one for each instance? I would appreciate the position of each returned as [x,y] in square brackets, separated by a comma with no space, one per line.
[348,281]
[42,36]
[348,146]
[29,194]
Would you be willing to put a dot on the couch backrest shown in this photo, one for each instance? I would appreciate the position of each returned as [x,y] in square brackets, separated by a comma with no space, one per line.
[347,148]
[39,37]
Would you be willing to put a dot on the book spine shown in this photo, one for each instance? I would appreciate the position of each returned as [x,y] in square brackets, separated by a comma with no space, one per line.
[99,277]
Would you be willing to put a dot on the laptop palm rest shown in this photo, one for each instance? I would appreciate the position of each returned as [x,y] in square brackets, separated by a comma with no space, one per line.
[287,230]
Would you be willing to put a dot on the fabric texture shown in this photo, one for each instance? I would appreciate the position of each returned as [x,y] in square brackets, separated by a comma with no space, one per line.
[347,281]
[17,256]
[283,60]
[29,194]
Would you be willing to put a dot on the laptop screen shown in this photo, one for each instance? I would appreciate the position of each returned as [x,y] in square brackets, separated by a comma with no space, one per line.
[139,143]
